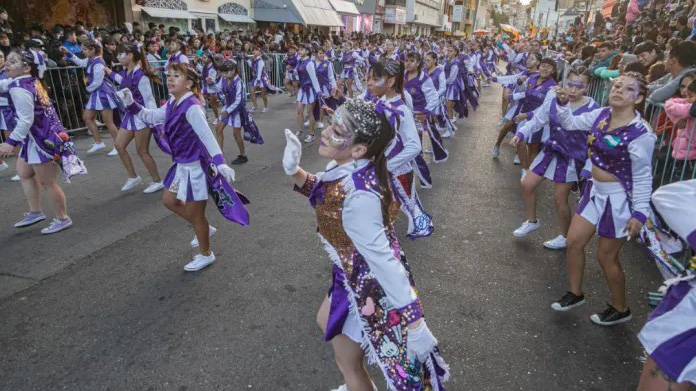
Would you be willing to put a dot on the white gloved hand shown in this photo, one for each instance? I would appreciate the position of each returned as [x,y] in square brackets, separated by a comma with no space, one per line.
[227,172]
[292,154]
[420,341]
[126,96]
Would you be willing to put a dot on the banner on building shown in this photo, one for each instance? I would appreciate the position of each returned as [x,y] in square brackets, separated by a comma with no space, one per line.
[457,13]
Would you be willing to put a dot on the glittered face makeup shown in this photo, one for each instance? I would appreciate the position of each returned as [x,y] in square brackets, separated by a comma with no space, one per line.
[14,65]
[339,136]
[122,57]
[380,82]
[625,88]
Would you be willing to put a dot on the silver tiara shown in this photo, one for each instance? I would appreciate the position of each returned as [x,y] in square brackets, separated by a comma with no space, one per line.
[365,121]
[391,66]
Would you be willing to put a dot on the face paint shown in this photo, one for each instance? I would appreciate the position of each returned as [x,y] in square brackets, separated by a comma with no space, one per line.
[576,84]
[380,82]
[122,57]
[339,141]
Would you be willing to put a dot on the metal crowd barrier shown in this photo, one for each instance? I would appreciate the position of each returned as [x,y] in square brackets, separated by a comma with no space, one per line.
[599,90]
[66,85]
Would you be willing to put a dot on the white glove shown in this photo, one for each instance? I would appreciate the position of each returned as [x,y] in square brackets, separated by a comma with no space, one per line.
[227,172]
[420,341]
[292,154]
[126,96]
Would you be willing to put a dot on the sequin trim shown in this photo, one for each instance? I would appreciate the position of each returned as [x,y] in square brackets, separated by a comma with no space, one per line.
[308,185]
[412,312]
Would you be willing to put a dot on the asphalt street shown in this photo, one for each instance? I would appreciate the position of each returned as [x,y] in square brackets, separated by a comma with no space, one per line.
[106,305]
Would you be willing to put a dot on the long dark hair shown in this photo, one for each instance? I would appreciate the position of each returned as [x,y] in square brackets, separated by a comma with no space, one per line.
[139,56]
[415,56]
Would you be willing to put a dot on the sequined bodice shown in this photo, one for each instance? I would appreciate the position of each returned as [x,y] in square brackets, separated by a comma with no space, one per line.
[330,215]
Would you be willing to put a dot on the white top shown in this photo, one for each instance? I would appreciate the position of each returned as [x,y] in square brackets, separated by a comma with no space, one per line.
[311,71]
[195,116]
[442,82]
[454,74]
[363,223]
[406,127]
[640,151]
[144,87]
[232,106]
[97,70]
[23,102]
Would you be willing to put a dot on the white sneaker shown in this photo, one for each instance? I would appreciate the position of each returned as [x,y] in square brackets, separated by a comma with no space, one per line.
[199,262]
[265,110]
[4,166]
[516,161]
[113,152]
[523,174]
[96,147]
[344,387]
[15,178]
[320,125]
[306,123]
[153,187]
[557,243]
[496,152]
[215,121]
[309,138]
[131,183]
[211,233]
[526,228]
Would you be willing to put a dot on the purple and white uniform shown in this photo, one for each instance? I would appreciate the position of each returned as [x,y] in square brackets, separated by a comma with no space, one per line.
[349,58]
[669,335]
[7,117]
[626,153]
[443,122]
[259,76]
[309,85]
[102,95]
[232,92]
[564,153]
[425,100]
[454,85]
[140,86]
[176,58]
[534,97]
[326,77]
[191,141]
[292,61]
[209,71]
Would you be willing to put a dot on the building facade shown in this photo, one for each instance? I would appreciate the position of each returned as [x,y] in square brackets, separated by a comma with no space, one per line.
[211,15]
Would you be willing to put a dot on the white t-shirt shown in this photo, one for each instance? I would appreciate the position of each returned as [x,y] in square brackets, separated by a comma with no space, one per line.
[278,37]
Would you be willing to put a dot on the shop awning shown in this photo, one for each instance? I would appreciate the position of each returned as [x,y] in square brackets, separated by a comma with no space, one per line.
[236,18]
[306,12]
[165,13]
[344,7]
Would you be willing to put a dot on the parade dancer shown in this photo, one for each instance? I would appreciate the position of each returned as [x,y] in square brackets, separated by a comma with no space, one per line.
[538,86]
[234,112]
[210,74]
[425,101]
[372,307]
[137,77]
[290,82]
[348,74]
[437,74]
[102,95]
[7,118]
[561,160]
[175,55]
[327,82]
[669,332]
[43,143]
[198,161]
[259,81]
[517,86]
[385,82]
[617,202]
[454,84]
[308,93]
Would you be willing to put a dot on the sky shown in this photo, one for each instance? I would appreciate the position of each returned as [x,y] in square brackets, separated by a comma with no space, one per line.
[525,2]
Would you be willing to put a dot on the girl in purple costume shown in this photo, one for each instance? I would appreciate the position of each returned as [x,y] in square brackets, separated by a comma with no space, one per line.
[669,334]
[425,100]
[327,82]
[290,81]
[617,202]
[561,160]
[348,74]
[211,77]
[259,80]
[192,145]
[537,88]
[137,77]
[385,83]
[453,92]
[7,118]
[175,55]
[234,112]
[102,96]
[437,74]
[372,307]
[44,143]
[308,92]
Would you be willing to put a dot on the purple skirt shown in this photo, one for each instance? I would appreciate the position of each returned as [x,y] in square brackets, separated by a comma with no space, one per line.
[8,121]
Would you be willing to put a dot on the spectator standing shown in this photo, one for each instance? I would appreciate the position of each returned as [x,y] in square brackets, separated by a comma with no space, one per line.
[680,60]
